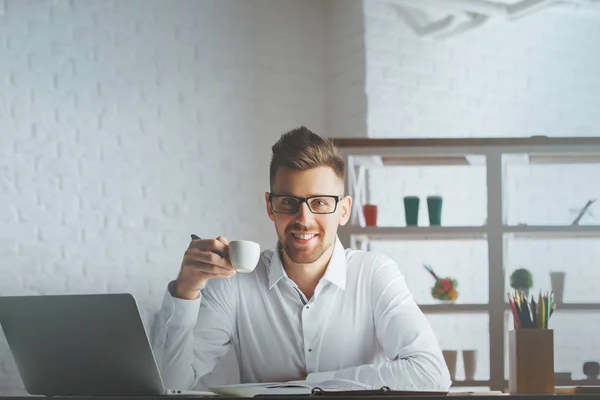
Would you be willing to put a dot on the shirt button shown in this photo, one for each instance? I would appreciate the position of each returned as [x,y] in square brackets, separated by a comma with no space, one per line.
[309,350]
[307,307]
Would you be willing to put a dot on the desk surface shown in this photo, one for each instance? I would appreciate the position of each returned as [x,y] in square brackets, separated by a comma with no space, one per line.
[452,397]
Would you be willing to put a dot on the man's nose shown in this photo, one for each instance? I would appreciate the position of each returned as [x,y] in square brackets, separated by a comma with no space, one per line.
[304,216]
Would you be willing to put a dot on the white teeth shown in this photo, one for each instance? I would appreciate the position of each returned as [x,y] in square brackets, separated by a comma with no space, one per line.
[304,237]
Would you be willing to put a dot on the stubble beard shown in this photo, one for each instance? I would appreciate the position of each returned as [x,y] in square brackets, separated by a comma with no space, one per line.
[300,255]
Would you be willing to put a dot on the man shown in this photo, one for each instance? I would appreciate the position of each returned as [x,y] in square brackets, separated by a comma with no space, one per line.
[311,309]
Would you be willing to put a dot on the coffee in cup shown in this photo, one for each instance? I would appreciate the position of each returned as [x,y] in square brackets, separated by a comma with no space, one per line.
[244,255]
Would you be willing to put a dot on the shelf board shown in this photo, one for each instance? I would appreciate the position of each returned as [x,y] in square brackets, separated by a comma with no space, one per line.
[577,307]
[458,308]
[548,158]
[381,161]
[513,144]
[419,232]
[453,308]
[578,382]
[433,160]
[553,232]
[472,160]
[475,232]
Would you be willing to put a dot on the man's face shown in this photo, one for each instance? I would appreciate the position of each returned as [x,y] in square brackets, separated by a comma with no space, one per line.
[305,236]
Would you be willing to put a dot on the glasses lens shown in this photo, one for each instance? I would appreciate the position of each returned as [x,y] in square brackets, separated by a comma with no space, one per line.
[282,204]
[322,205]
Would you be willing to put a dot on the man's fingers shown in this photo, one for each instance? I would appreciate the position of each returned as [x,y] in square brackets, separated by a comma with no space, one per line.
[208,257]
[203,260]
[223,240]
[209,269]
[214,245]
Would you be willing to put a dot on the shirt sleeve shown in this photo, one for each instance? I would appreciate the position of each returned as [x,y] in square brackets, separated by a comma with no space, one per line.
[189,336]
[415,360]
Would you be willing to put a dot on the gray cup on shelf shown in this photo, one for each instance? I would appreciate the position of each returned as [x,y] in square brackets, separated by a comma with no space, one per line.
[450,357]
[557,280]
[470,364]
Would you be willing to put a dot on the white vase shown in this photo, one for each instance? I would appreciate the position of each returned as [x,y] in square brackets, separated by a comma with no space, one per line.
[557,280]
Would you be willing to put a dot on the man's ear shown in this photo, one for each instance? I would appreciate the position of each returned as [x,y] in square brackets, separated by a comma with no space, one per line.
[345,205]
[269,210]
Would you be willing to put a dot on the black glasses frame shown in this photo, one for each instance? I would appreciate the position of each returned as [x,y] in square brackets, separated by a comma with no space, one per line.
[303,200]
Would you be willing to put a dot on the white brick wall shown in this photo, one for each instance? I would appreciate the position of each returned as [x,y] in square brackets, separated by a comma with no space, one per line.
[535,76]
[127,125]
[345,98]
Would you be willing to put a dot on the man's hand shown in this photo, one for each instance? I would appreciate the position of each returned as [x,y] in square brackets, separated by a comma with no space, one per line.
[203,260]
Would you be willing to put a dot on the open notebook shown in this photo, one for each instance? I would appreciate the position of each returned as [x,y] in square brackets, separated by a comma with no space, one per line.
[286,388]
[295,388]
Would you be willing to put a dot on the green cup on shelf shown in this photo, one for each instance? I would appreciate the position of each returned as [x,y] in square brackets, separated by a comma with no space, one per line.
[434,208]
[411,210]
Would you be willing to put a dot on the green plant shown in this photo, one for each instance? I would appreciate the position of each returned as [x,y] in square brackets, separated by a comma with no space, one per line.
[521,279]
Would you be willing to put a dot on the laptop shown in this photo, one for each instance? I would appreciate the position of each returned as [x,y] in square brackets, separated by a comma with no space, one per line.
[82,345]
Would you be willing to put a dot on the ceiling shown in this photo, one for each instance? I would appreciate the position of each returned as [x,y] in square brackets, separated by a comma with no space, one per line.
[440,19]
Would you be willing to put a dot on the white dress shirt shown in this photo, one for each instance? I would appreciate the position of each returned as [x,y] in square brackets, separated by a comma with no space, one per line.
[361,324]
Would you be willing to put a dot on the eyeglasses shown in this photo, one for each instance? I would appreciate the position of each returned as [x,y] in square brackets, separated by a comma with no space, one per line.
[287,204]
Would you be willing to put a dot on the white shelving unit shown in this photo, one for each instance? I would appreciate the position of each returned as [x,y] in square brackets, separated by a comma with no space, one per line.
[417,233]
[364,154]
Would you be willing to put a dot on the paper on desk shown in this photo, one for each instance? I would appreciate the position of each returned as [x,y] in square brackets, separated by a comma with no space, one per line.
[195,393]
[287,388]
[482,393]
[254,389]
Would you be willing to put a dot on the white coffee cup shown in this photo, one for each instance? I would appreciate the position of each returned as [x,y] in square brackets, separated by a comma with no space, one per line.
[244,255]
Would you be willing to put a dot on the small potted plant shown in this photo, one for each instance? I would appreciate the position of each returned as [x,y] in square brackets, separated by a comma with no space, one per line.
[444,289]
[521,280]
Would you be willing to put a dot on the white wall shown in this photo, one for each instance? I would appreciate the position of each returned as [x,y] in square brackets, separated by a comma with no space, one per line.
[345,69]
[127,125]
[535,76]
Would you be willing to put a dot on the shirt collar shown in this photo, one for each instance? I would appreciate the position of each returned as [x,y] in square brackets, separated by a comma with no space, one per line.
[335,272]
[276,271]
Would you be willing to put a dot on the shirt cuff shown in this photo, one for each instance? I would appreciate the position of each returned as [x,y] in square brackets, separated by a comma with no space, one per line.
[180,311]
[320,376]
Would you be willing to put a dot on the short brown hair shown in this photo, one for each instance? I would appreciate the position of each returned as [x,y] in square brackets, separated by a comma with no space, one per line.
[302,149]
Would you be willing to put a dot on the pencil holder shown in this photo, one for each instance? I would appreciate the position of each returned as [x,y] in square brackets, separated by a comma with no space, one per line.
[531,361]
